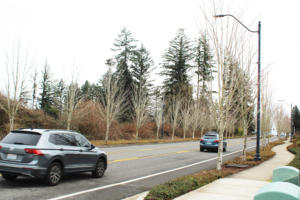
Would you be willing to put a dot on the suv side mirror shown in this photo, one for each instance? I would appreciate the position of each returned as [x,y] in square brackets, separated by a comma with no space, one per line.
[92,147]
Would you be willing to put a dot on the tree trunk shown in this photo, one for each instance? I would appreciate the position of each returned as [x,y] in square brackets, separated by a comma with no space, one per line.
[68,122]
[193,134]
[11,123]
[263,135]
[184,133]
[157,132]
[137,133]
[220,147]
[173,132]
[245,131]
[106,132]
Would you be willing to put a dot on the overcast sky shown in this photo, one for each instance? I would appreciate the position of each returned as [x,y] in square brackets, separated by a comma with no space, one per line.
[82,32]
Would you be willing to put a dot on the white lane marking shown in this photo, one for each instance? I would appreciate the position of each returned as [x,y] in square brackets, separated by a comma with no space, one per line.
[141,178]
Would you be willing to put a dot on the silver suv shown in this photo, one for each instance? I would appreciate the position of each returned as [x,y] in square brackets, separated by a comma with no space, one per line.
[49,154]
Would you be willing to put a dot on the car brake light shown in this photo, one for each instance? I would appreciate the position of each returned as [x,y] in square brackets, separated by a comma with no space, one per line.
[34,152]
[0,147]
[201,140]
[216,141]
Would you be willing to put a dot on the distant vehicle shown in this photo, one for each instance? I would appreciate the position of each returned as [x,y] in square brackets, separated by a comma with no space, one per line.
[49,154]
[210,141]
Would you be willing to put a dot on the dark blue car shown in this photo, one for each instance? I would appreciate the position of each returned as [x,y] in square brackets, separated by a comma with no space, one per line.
[210,141]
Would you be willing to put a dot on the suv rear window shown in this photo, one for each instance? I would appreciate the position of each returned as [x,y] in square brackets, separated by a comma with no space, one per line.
[210,136]
[23,138]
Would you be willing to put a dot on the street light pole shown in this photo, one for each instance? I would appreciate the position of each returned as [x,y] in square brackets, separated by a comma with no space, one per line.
[257,155]
[292,121]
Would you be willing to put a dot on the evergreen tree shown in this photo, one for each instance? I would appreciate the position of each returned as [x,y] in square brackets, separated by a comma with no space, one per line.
[176,63]
[204,65]
[296,117]
[237,82]
[86,91]
[125,48]
[45,99]
[46,96]
[59,95]
[141,68]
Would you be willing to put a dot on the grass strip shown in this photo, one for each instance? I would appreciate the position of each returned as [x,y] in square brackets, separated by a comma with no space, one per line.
[183,185]
[295,149]
[144,141]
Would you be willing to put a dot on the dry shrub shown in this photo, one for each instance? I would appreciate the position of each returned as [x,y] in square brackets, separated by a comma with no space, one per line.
[122,131]
[148,131]
[28,118]
[87,120]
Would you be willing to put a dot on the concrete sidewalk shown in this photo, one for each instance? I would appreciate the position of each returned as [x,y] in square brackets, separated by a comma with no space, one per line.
[240,186]
[243,185]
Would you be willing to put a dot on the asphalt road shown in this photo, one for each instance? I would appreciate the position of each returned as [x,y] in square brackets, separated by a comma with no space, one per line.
[132,169]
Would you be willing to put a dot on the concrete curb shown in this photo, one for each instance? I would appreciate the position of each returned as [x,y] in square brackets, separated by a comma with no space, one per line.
[140,196]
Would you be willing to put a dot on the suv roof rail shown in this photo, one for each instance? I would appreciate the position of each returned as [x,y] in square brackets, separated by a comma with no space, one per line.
[47,130]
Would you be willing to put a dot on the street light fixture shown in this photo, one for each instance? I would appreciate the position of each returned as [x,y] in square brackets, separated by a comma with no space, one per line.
[257,155]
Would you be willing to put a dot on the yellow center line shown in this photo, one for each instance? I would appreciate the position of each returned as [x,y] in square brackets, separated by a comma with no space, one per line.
[182,151]
[136,150]
[123,160]
[145,149]
[169,147]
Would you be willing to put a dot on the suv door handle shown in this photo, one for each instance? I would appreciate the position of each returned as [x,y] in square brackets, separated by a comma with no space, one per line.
[61,149]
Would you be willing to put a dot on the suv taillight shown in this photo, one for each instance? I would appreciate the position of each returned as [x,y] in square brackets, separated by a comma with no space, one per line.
[0,147]
[34,152]
[216,141]
[201,140]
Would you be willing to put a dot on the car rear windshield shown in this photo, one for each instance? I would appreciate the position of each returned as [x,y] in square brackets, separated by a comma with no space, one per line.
[22,138]
[210,136]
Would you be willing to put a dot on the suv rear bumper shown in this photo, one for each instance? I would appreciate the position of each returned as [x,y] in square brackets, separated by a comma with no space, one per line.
[209,146]
[26,170]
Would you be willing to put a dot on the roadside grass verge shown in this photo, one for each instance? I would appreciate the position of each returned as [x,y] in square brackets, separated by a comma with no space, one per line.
[144,141]
[295,149]
[182,185]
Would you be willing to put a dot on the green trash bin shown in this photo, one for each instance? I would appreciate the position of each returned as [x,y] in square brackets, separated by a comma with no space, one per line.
[278,191]
[286,174]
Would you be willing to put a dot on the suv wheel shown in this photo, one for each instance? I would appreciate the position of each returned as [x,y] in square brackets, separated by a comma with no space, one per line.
[100,169]
[9,177]
[54,174]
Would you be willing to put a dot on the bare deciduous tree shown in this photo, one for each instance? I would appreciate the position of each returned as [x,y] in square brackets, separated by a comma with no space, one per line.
[195,117]
[225,37]
[246,99]
[34,88]
[72,101]
[279,119]
[158,117]
[246,106]
[266,111]
[140,101]
[186,116]
[112,101]
[174,109]
[16,68]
